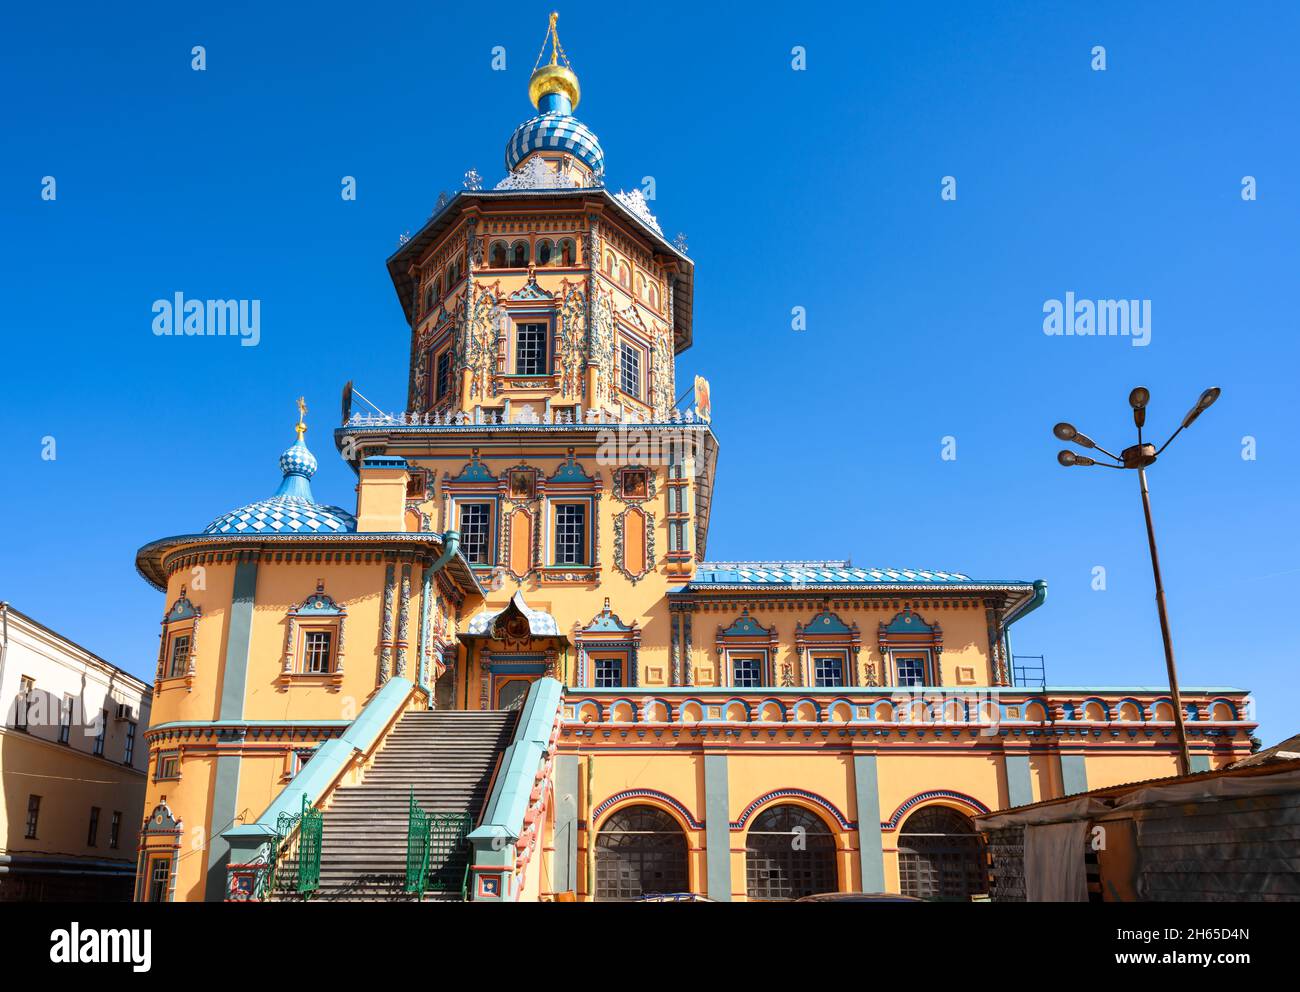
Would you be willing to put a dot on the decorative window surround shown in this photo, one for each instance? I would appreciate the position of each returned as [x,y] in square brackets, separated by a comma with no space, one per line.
[182,620]
[824,635]
[317,612]
[908,635]
[607,635]
[746,637]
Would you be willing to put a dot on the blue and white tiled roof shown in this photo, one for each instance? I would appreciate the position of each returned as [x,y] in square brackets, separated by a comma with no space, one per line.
[555,131]
[540,623]
[806,573]
[284,514]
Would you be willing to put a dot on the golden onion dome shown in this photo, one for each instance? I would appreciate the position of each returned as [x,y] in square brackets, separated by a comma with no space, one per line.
[553,78]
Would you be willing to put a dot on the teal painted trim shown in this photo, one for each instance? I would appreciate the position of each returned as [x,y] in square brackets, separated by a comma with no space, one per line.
[1020,790]
[1200,763]
[670,692]
[238,639]
[503,819]
[225,800]
[717,828]
[1074,775]
[239,724]
[565,830]
[329,760]
[871,846]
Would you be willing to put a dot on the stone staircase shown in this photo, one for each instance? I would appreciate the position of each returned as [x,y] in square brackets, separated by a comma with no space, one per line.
[449,757]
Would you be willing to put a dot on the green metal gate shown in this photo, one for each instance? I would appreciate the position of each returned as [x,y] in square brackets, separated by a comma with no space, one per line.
[437,851]
[309,834]
[449,851]
[417,849]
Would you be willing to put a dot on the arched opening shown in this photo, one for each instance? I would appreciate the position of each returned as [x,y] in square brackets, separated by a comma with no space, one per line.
[941,855]
[640,851]
[566,252]
[519,255]
[789,853]
[544,252]
[497,255]
[624,277]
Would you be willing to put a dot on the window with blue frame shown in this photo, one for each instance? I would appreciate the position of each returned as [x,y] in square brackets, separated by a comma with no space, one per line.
[911,671]
[608,673]
[747,673]
[571,534]
[828,671]
[475,532]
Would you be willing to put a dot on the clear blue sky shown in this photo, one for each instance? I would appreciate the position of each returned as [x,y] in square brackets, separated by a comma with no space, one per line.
[817,189]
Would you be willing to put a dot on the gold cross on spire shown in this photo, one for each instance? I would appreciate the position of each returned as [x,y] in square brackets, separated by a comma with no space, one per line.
[301,427]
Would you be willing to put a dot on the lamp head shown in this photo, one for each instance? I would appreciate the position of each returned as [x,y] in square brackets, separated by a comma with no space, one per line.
[1204,403]
[1069,459]
[1138,400]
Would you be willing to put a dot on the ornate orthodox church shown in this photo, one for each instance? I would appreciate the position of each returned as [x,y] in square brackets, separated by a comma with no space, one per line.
[511,672]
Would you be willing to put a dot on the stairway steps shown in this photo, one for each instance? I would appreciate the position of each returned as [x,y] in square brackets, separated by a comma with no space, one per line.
[448,759]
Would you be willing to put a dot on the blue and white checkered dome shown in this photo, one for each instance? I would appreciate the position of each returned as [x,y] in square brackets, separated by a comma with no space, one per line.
[292,509]
[284,515]
[298,460]
[555,130]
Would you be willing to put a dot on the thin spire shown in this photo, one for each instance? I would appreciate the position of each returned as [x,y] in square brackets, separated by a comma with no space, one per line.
[301,426]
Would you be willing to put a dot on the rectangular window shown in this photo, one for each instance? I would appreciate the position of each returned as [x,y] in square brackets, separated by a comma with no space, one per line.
[160,874]
[911,671]
[128,749]
[629,369]
[442,381]
[180,657]
[33,815]
[571,534]
[828,671]
[115,830]
[93,833]
[530,349]
[27,686]
[103,732]
[65,720]
[747,673]
[316,652]
[475,542]
[169,766]
[609,673]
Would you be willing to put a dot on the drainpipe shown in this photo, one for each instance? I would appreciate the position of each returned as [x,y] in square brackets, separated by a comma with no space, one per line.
[4,638]
[1019,613]
[450,545]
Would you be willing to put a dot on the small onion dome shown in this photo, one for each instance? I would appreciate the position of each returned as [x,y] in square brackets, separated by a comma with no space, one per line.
[298,460]
[292,509]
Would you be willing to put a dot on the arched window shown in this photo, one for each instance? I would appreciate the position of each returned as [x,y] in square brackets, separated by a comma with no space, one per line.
[497,255]
[544,252]
[519,255]
[453,273]
[789,852]
[640,851]
[566,252]
[940,855]
[654,297]
[624,277]
[429,296]
[609,265]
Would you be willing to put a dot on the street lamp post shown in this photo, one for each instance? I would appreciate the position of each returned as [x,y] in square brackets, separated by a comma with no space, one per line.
[1138,457]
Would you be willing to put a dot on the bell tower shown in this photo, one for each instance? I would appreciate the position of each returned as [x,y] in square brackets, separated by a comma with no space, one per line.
[547,298]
